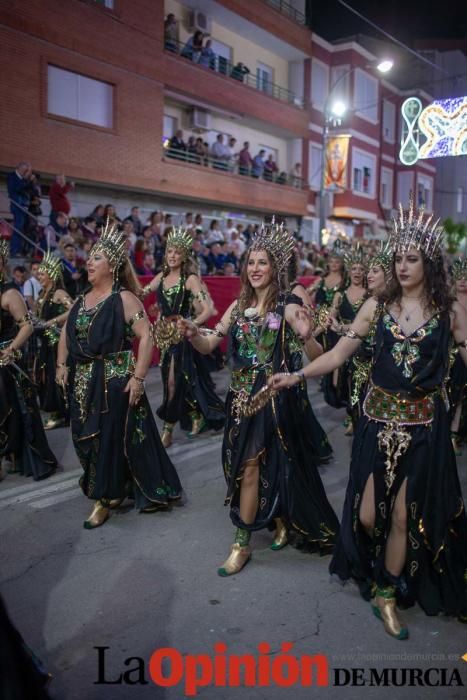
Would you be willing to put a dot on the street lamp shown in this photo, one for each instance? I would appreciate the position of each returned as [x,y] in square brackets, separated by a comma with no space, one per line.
[333,115]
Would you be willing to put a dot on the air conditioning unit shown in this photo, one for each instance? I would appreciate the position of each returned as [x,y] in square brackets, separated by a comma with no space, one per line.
[199,21]
[199,119]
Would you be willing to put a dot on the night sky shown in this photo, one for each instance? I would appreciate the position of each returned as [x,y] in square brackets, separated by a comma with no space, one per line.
[408,20]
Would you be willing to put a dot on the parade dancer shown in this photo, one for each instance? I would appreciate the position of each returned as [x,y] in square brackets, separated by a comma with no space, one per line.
[458,375]
[270,470]
[23,443]
[189,395]
[53,306]
[403,535]
[113,429]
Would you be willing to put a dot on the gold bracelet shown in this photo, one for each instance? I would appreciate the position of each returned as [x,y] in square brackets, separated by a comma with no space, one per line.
[139,379]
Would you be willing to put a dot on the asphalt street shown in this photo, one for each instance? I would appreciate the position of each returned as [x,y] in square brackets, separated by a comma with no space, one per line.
[143,582]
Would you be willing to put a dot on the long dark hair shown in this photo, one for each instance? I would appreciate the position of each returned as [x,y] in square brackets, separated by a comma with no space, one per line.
[436,289]
[128,280]
[247,293]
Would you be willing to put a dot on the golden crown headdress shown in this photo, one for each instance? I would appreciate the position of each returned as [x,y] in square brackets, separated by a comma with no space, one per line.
[113,243]
[180,238]
[459,269]
[355,256]
[383,257]
[4,250]
[51,265]
[277,242]
[414,230]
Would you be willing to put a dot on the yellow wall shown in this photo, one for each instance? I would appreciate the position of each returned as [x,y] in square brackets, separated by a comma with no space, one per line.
[233,128]
[242,50]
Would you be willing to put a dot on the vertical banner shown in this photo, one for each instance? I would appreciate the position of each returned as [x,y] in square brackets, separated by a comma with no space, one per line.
[337,149]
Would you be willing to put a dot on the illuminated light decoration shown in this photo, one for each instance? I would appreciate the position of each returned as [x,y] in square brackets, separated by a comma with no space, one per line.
[409,151]
[444,123]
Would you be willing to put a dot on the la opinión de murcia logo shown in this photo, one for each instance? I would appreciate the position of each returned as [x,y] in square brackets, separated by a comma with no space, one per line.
[168,667]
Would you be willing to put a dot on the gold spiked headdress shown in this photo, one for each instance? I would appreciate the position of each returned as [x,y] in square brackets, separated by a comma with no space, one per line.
[414,230]
[355,256]
[182,239]
[459,269]
[51,265]
[4,250]
[113,244]
[383,257]
[277,241]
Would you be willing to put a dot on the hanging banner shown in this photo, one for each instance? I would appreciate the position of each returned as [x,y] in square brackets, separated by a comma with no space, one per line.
[337,149]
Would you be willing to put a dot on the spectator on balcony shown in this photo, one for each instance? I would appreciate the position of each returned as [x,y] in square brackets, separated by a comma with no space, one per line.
[229,229]
[245,161]
[296,175]
[257,169]
[171,33]
[239,70]
[59,201]
[216,259]
[88,228]
[136,221]
[177,146]
[18,184]
[33,226]
[54,232]
[232,162]
[208,57]
[98,214]
[215,234]
[198,224]
[193,47]
[281,179]
[110,214]
[201,151]
[270,169]
[192,155]
[220,153]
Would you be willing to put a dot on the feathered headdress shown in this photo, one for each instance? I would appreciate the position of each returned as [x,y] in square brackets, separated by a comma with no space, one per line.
[51,265]
[355,256]
[277,242]
[182,239]
[4,250]
[414,230]
[113,243]
[383,257]
[459,269]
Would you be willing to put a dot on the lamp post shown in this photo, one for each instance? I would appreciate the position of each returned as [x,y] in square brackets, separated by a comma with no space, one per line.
[333,115]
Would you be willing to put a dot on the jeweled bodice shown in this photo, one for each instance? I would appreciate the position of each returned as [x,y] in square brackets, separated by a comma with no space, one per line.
[85,318]
[411,363]
[348,309]
[174,300]
[325,295]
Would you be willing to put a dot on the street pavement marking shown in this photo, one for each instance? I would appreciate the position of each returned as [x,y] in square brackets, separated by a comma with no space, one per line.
[35,485]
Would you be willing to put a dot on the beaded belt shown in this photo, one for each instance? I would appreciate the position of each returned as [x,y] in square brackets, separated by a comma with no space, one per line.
[116,364]
[384,407]
[243,379]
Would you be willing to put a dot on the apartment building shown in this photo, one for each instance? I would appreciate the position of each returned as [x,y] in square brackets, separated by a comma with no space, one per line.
[97,89]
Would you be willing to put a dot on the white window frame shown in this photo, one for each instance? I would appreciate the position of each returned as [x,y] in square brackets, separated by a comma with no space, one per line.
[362,104]
[389,181]
[74,105]
[223,51]
[389,107]
[314,169]
[427,183]
[317,64]
[264,86]
[340,88]
[174,129]
[360,152]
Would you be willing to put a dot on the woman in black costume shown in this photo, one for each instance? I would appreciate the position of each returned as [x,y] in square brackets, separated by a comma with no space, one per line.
[267,456]
[457,386]
[404,530]
[22,439]
[53,306]
[113,429]
[189,395]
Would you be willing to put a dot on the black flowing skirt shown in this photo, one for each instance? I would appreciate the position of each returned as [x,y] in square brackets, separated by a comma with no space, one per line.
[290,486]
[125,457]
[194,389]
[50,395]
[21,431]
[436,561]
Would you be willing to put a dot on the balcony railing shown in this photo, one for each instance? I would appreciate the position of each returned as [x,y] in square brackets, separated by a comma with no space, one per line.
[231,165]
[238,71]
[286,9]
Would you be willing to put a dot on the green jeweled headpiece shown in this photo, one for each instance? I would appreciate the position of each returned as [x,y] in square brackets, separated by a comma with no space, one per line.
[355,256]
[182,239]
[4,250]
[459,269]
[277,242]
[414,230]
[383,257]
[51,265]
[113,244]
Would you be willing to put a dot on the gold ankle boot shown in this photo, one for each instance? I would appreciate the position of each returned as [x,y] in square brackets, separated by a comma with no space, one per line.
[166,437]
[235,562]
[197,426]
[384,607]
[116,502]
[99,515]
[280,538]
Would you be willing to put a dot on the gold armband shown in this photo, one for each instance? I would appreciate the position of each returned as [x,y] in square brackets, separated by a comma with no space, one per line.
[68,303]
[146,290]
[24,320]
[200,296]
[353,335]
[136,317]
